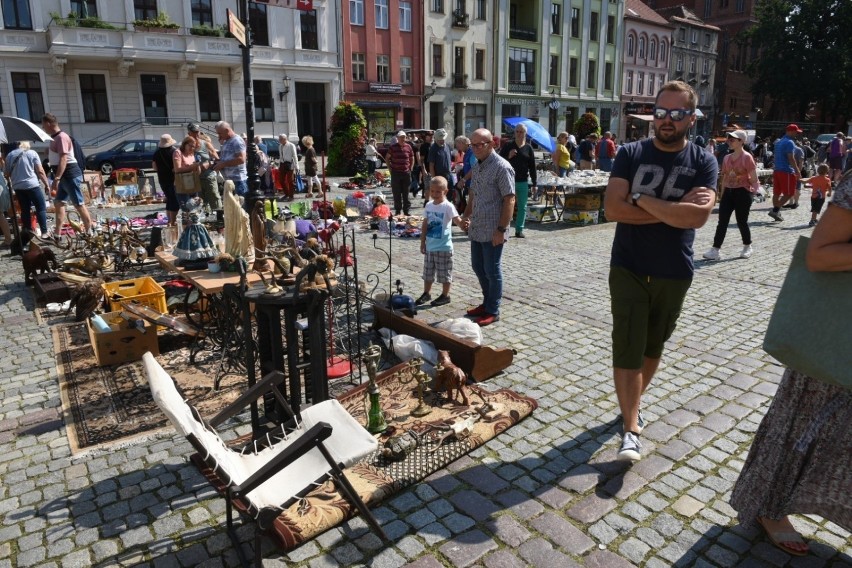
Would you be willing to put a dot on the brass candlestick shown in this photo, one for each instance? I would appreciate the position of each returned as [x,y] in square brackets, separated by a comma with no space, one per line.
[418,375]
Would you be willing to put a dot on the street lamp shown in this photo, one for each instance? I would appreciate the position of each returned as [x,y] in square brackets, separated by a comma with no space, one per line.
[286,91]
[433,86]
[554,103]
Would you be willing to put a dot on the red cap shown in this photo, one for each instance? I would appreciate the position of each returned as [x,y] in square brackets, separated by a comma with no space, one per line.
[793,127]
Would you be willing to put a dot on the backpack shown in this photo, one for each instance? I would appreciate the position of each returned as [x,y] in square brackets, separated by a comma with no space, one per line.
[79,155]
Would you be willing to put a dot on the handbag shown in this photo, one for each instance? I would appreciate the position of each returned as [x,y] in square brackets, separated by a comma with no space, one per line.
[187,182]
[810,322]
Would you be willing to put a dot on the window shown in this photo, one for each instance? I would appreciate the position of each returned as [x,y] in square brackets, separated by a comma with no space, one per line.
[708,9]
[16,16]
[705,69]
[154,98]
[692,65]
[480,9]
[405,70]
[575,22]
[740,6]
[264,109]
[359,67]
[438,6]
[652,49]
[682,34]
[679,65]
[706,40]
[641,48]
[461,7]
[631,42]
[438,60]
[259,23]
[208,99]
[308,21]
[594,28]
[650,84]
[479,65]
[702,97]
[662,52]
[356,12]
[521,66]
[93,94]
[660,80]
[608,76]
[640,82]
[85,8]
[628,83]
[573,68]
[610,30]
[202,12]
[382,14]
[29,101]
[553,78]
[694,36]
[591,80]
[556,19]
[405,16]
[145,9]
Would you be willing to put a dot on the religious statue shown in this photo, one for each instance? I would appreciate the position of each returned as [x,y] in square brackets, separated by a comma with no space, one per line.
[238,241]
[258,232]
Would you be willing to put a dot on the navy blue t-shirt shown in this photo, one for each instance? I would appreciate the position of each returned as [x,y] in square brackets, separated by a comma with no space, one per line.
[660,250]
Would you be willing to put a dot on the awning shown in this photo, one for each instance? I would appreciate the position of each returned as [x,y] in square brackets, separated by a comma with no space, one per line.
[645,117]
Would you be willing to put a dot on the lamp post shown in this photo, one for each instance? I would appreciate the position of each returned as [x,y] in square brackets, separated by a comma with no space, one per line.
[553,105]
[254,192]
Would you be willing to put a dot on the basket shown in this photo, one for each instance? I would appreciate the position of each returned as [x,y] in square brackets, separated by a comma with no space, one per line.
[144,290]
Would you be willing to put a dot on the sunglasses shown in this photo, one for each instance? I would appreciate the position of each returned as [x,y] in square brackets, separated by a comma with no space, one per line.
[479,145]
[676,114]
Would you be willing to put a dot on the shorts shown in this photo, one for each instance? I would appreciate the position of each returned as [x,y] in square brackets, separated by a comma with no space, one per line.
[440,262]
[816,204]
[69,186]
[644,314]
[835,162]
[784,183]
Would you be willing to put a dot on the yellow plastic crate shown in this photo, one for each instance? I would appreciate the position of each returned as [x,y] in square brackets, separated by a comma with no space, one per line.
[144,290]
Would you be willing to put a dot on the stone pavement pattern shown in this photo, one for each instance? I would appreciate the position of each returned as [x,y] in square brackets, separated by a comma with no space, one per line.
[546,493]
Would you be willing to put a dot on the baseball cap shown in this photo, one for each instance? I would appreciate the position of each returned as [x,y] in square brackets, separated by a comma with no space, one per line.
[193,127]
[793,127]
[741,134]
[401,133]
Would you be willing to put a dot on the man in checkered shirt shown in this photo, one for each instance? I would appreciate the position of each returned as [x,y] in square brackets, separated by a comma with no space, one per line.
[486,218]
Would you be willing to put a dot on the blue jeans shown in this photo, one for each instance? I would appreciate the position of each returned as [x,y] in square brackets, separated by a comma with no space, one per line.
[33,197]
[485,260]
[241,187]
[605,164]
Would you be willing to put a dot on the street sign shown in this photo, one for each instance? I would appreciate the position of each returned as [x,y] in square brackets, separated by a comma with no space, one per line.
[236,27]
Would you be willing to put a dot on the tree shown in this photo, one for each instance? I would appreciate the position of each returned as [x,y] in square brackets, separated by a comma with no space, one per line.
[587,124]
[348,134]
[801,59]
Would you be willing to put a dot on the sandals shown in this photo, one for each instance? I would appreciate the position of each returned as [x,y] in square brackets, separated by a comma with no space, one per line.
[783,538]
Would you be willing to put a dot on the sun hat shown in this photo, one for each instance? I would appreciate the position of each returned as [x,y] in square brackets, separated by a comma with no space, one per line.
[379,196]
[440,134]
[741,134]
[401,133]
[166,141]
[793,127]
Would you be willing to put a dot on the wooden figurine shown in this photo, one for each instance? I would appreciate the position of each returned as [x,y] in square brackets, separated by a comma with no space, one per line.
[38,259]
[449,377]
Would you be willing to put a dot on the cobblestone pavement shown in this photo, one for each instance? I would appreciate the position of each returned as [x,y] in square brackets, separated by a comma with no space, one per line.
[546,493]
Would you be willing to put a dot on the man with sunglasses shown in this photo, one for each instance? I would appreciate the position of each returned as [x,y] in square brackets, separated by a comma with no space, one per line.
[660,190]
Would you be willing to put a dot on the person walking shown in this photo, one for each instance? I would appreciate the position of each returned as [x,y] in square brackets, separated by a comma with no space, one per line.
[820,191]
[562,156]
[739,184]
[587,151]
[400,158]
[311,165]
[164,164]
[289,162]
[206,154]
[436,243]
[660,190]
[522,158]
[440,157]
[606,152]
[836,155]
[232,158]
[67,175]
[786,172]
[27,178]
[486,218]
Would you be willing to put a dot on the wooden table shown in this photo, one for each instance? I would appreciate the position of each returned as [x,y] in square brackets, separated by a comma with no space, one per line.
[207,282]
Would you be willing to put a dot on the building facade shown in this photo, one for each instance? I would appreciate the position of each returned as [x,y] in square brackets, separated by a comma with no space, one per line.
[120,81]
[646,55]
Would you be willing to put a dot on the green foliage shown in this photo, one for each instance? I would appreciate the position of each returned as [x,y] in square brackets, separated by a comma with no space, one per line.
[205,30]
[161,21]
[75,21]
[585,125]
[346,147]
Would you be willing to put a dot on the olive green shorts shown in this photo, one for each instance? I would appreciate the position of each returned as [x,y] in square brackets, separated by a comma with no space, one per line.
[644,314]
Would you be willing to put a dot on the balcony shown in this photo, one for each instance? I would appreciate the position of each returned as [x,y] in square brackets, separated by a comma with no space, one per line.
[460,80]
[525,34]
[523,88]
[460,19]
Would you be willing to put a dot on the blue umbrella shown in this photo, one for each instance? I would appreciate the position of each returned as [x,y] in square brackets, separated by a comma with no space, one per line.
[535,131]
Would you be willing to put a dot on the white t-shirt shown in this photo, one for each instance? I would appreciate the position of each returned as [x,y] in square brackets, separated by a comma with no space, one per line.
[439,220]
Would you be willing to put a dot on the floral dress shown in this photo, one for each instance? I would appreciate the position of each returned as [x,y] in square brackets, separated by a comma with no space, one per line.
[801,457]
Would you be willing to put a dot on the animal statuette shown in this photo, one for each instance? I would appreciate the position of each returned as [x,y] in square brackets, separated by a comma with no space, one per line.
[37,259]
[449,377]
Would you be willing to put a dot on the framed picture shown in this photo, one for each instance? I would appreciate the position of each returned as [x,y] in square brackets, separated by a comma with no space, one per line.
[125,191]
[125,177]
[86,190]
[147,186]
[96,184]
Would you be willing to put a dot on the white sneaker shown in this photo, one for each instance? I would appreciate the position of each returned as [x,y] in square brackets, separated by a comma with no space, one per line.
[712,254]
[746,253]
[631,448]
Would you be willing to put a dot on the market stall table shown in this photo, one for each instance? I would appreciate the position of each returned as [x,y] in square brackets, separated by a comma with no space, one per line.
[557,189]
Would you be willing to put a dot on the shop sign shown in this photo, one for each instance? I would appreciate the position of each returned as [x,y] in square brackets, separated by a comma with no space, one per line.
[386,88]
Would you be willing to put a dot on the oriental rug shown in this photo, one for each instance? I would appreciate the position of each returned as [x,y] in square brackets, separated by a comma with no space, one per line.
[108,406]
[376,477]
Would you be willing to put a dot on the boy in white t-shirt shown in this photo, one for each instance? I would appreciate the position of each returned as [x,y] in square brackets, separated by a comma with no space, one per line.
[436,242]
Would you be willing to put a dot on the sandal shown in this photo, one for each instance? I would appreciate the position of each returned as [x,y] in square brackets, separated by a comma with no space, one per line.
[783,538]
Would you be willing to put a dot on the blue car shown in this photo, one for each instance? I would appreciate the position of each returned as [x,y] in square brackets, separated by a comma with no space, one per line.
[137,154]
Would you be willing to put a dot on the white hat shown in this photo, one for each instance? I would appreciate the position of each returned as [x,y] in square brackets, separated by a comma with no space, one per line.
[380,196]
[166,141]
[741,134]
[440,134]
[401,133]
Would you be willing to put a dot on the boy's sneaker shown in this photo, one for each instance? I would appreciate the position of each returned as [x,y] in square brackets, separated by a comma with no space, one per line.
[424,297]
[712,254]
[441,300]
[775,215]
[631,448]
[746,252]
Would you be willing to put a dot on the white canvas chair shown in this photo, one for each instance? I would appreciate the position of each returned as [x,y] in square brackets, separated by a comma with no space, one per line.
[271,473]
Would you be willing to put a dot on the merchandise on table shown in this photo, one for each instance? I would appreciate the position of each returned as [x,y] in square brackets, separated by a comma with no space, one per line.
[578,217]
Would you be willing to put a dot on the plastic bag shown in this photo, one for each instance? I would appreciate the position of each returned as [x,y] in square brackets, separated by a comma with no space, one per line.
[407,347]
[463,328]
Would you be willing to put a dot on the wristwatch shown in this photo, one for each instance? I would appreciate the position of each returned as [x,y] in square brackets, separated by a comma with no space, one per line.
[635,198]
[501,229]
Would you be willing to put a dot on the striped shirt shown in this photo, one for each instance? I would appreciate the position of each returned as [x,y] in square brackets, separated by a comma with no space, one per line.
[493,178]
[400,157]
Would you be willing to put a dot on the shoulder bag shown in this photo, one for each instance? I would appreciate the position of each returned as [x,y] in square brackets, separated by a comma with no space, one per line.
[809,327]
[187,182]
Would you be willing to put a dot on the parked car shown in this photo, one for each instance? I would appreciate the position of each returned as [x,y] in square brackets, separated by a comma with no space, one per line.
[127,154]
[824,139]
[272,147]
[390,138]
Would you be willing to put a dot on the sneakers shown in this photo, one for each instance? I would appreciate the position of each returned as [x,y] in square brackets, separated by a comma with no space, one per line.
[812,223]
[791,206]
[520,235]
[712,254]
[631,448]
[477,311]
[775,215]
[424,297]
[441,300]
[487,319]
[640,423]
[746,252]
